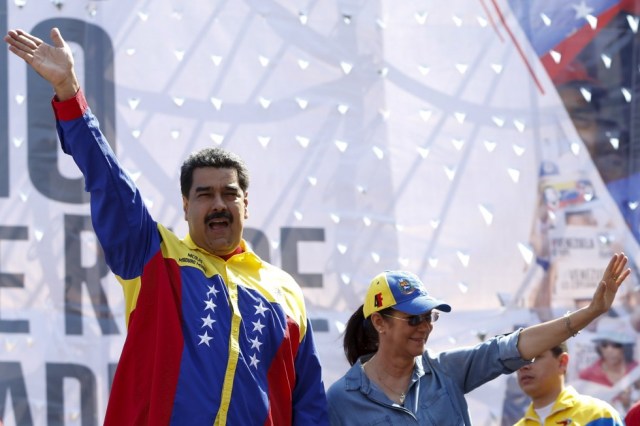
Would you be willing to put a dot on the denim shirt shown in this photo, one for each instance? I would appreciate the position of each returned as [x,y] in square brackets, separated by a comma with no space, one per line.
[436,391]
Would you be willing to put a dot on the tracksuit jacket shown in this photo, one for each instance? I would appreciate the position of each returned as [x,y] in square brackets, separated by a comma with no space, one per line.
[208,341]
[572,408]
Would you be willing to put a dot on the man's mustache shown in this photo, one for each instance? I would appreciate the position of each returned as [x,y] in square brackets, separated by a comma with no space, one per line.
[219,215]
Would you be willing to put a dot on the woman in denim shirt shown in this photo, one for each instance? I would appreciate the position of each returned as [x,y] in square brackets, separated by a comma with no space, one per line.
[394,380]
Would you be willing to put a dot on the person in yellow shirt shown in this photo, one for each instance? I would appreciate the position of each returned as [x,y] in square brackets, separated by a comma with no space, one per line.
[553,403]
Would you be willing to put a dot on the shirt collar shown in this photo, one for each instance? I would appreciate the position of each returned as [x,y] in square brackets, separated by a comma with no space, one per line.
[356,378]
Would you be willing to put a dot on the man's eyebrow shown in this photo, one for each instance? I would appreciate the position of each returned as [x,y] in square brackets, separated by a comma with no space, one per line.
[231,186]
[202,188]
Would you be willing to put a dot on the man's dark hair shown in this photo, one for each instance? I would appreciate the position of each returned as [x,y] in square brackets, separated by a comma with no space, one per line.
[559,349]
[212,157]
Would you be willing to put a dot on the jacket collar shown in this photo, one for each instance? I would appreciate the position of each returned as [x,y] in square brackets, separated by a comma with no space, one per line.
[565,400]
[247,253]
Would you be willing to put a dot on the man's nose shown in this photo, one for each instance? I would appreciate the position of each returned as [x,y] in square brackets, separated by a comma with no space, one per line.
[218,203]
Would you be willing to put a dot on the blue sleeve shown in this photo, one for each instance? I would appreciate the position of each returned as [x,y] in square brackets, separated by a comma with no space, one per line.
[475,366]
[606,422]
[126,231]
[309,398]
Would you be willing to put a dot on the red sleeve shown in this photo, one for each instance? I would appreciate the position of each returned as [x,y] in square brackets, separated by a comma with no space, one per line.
[71,108]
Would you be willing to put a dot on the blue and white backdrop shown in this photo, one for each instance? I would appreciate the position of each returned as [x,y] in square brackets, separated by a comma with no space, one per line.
[417,135]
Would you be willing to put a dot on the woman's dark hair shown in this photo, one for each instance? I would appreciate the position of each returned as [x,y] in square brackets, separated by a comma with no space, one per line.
[212,157]
[360,338]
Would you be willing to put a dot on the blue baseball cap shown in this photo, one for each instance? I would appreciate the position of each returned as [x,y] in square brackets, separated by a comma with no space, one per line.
[403,291]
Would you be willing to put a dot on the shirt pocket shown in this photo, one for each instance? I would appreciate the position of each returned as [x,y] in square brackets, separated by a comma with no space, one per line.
[438,409]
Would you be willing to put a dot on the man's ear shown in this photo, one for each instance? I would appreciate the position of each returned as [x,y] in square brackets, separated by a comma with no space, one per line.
[246,205]
[564,361]
[185,206]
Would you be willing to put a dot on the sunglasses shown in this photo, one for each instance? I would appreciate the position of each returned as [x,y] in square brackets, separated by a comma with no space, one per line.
[612,344]
[416,320]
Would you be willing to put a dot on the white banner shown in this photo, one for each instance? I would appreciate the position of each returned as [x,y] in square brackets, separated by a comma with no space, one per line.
[380,135]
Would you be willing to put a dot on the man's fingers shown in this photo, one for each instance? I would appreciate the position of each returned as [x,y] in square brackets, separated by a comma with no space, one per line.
[30,41]
[18,45]
[19,40]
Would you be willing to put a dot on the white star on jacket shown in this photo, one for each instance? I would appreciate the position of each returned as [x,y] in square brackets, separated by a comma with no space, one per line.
[208,322]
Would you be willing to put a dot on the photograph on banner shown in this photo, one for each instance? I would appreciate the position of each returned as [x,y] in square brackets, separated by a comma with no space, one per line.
[587,204]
